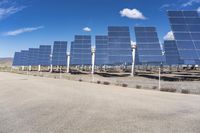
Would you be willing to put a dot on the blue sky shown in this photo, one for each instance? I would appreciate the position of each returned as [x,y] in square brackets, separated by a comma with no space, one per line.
[30,23]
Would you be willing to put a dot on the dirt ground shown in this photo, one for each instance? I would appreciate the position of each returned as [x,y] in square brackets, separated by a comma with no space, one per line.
[132,82]
[30,104]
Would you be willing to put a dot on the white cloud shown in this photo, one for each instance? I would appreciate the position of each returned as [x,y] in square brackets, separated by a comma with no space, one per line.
[132,14]
[8,7]
[87,29]
[198,10]
[21,31]
[4,12]
[190,3]
[169,6]
[169,36]
[165,6]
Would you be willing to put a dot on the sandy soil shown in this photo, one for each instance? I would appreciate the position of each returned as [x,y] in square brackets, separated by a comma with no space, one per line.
[45,105]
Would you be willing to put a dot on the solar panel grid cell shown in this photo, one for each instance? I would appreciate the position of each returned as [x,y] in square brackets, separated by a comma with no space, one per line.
[33,56]
[44,55]
[101,50]
[17,59]
[24,57]
[59,56]
[119,45]
[148,46]
[81,50]
[186,28]
[171,53]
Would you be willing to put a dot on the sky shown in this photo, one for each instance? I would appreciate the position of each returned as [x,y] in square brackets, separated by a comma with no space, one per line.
[29,23]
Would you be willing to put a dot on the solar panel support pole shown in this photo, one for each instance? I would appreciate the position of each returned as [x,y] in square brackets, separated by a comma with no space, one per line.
[22,68]
[159,86]
[39,68]
[29,68]
[133,47]
[68,61]
[51,68]
[93,59]
[60,72]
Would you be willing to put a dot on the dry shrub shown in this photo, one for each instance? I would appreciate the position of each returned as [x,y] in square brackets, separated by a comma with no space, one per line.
[184,91]
[106,83]
[98,82]
[124,85]
[168,89]
[138,86]
[154,87]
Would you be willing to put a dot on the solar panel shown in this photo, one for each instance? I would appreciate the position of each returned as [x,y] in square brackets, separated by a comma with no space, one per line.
[137,58]
[17,59]
[119,45]
[148,46]
[44,55]
[24,58]
[186,29]
[33,56]
[81,50]
[101,50]
[59,57]
[171,53]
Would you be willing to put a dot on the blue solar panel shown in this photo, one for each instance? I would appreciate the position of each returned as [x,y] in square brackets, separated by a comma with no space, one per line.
[33,56]
[186,29]
[81,50]
[17,59]
[101,50]
[171,53]
[44,55]
[59,57]
[24,58]
[148,46]
[119,45]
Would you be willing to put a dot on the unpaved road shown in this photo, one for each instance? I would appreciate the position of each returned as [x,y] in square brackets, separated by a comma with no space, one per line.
[42,105]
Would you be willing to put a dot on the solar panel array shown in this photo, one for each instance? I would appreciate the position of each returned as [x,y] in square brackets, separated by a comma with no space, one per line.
[171,53]
[81,50]
[186,29]
[101,50]
[119,45]
[33,56]
[59,57]
[148,46]
[24,58]
[115,48]
[17,59]
[44,55]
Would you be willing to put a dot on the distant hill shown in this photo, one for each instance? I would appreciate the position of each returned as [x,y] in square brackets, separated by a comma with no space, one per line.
[6,62]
